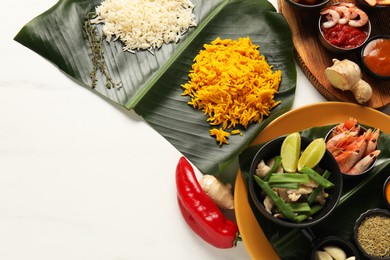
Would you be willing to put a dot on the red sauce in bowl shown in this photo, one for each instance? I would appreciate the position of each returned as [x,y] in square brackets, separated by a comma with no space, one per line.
[376,56]
[345,36]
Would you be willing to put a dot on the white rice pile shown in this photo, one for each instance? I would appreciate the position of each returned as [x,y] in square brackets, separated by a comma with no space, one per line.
[145,24]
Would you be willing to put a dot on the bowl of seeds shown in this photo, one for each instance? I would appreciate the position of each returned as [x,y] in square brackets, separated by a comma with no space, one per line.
[371,234]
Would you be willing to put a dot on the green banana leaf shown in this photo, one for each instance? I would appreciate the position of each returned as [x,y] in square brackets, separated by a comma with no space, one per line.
[151,82]
[358,196]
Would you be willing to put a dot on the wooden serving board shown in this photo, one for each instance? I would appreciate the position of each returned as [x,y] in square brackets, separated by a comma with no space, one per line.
[313,58]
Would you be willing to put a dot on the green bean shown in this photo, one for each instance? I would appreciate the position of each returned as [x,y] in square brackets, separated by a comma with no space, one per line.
[317,177]
[285,185]
[317,190]
[299,207]
[304,216]
[277,161]
[289,177]
[279,203]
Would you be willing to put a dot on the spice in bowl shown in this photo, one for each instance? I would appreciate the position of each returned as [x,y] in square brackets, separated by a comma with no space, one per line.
[371,234]
[343,27]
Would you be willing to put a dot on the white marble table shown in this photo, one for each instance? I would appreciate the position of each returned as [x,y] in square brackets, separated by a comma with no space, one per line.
[77,179]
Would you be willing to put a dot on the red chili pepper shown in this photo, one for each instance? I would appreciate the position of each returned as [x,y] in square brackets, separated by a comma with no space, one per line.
[200,212]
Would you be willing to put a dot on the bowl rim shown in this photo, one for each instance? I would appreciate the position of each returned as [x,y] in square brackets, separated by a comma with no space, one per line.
[369,212]
[282,222]
[367,6]
[385,185]
[340,49]
[365,67]
[308,6]
[347,245]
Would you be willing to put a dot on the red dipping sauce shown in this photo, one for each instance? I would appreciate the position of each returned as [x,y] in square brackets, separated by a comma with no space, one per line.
[345,36]
[376,56]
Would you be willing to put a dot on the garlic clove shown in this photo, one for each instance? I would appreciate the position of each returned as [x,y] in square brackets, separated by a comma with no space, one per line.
[335,252]
[322,255]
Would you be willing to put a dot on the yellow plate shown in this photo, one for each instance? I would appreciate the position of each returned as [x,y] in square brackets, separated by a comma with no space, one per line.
[295,120]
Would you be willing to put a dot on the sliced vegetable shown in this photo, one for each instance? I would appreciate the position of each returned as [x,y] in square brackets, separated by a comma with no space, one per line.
[279,203]
[312,154]
[317,190]
[317,177]
[289,177]
[285,185]
[290,151]
[313,210]
[277,162]
[299,207]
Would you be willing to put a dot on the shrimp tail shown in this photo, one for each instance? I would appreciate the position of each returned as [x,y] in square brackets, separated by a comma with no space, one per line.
[332,17]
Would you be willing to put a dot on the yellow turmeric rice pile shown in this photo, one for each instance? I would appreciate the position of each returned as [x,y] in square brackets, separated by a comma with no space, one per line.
[232,83]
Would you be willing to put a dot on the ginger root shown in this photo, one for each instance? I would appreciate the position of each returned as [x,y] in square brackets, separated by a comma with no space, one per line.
[347,76]
[220,193]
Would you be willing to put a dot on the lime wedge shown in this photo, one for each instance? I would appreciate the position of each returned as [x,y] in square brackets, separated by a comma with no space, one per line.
[290,150]
[313,154]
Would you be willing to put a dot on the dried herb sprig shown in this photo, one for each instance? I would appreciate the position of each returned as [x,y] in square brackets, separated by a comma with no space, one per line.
[96,45]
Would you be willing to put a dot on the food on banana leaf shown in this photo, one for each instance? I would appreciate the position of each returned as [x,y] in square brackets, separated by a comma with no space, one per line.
[144,24]
[233,84]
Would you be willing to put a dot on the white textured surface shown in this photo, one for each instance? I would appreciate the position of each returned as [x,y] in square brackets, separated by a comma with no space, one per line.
[80,177]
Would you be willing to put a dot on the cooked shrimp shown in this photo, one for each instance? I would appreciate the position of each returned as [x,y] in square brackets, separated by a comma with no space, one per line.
[347,159]
[331,16]
[360,144]
[344,12]
[348,4]
[350,125]
[364,163]
[372,138]
[355,13]
[337,143]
